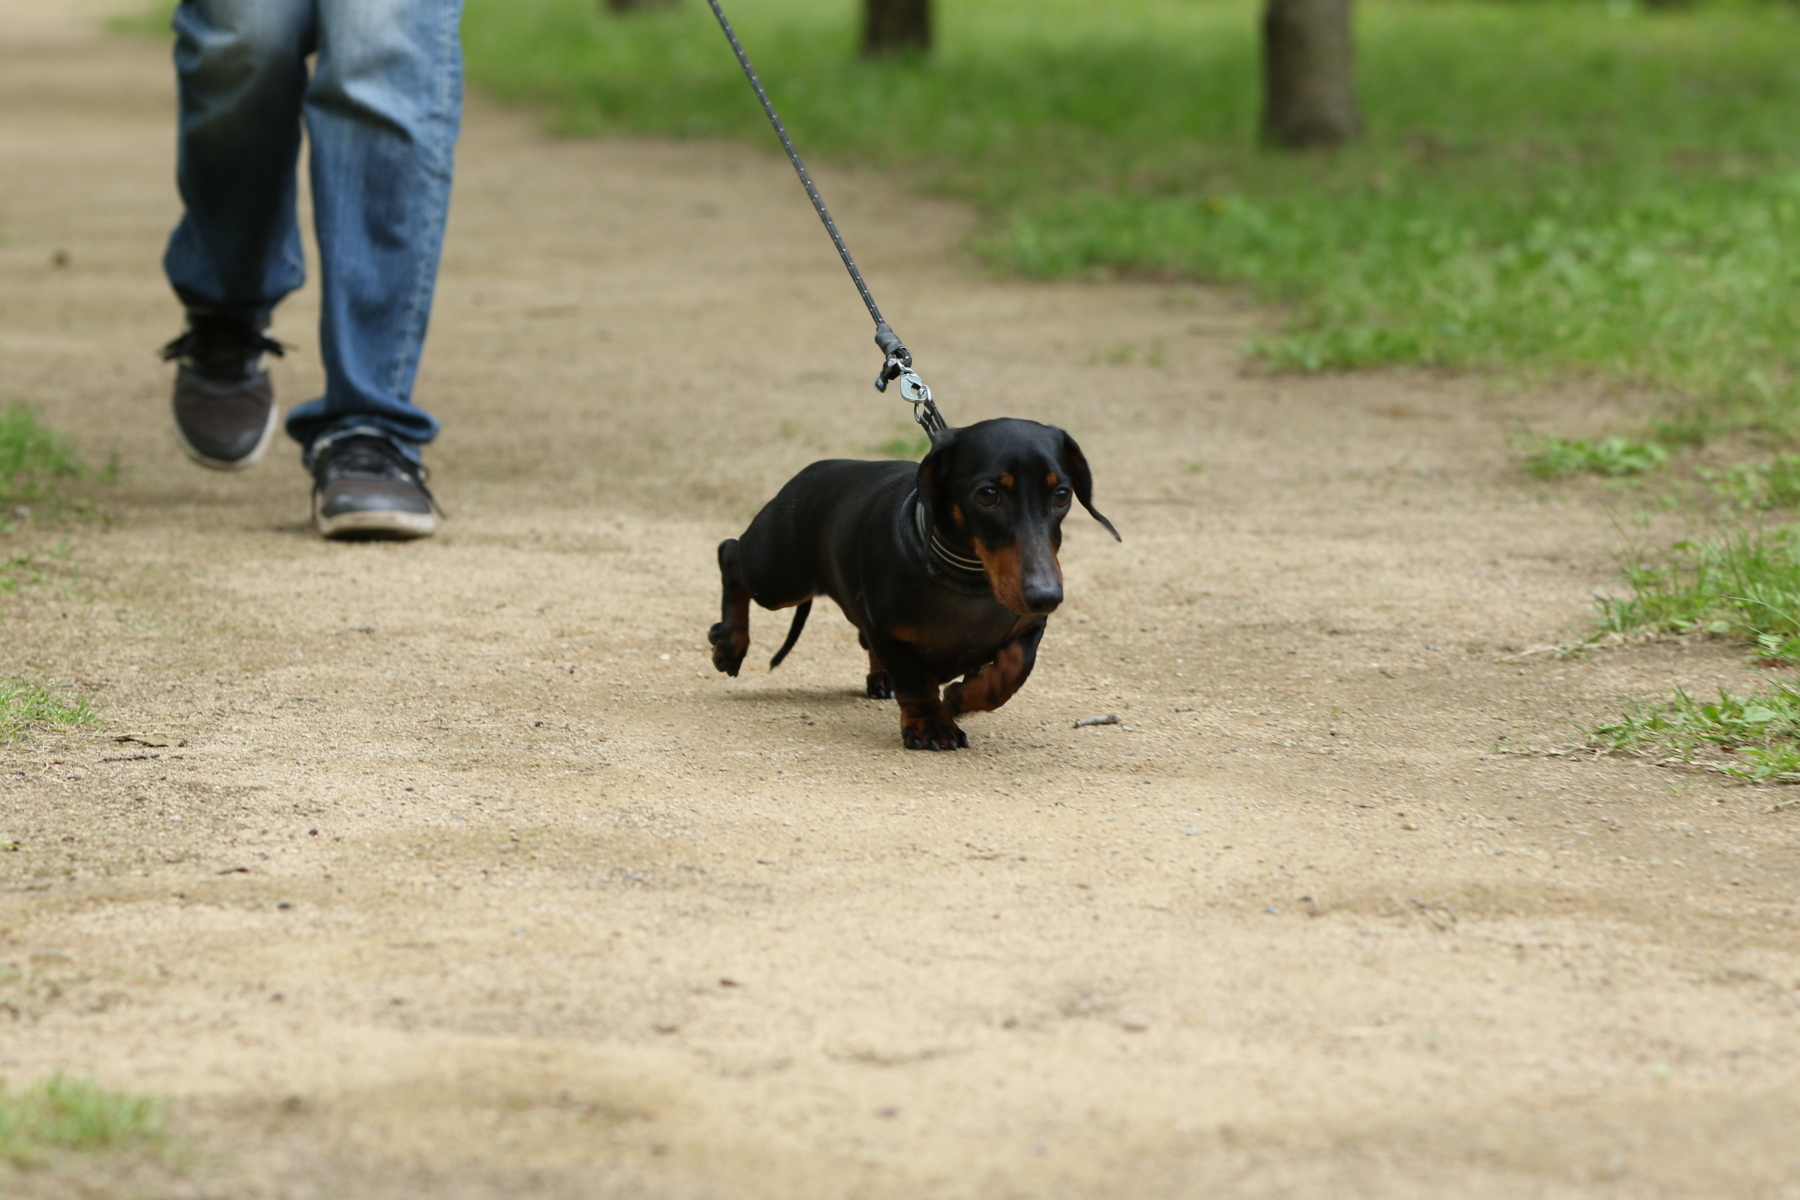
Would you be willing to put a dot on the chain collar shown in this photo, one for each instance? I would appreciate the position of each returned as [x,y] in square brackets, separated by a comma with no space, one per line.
[962,573]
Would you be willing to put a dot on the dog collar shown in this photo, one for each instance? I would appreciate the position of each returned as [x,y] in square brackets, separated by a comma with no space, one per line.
[966,572]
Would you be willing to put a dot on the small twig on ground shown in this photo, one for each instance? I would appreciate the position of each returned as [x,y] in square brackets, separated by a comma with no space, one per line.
[1529,653]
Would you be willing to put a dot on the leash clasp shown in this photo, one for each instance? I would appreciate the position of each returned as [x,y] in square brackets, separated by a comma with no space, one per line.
[899,366]
[924,411]
[913,388]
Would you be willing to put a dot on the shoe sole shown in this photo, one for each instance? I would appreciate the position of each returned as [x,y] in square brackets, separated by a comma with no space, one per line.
[371,525]
[249,460]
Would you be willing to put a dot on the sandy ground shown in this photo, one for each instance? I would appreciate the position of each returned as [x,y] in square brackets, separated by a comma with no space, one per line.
[462,874]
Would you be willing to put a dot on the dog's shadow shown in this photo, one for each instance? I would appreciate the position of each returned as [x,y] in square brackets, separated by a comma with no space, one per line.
[847,718]
[813,699]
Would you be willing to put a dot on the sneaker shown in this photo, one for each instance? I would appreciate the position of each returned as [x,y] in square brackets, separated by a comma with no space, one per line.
[225,413]
[364,487]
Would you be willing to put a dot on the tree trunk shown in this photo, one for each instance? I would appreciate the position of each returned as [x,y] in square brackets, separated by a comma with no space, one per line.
[1309,74]
[896,27]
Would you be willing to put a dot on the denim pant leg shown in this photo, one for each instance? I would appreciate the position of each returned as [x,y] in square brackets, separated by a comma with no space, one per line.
[382,114]
[241,70]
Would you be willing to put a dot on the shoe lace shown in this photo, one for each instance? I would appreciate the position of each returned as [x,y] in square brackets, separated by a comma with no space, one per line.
[220,345]
[362,454]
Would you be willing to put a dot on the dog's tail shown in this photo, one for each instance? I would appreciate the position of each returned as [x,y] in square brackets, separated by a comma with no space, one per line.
[800,615]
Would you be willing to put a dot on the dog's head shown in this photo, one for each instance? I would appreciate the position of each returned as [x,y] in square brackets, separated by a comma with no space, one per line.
[1004,487]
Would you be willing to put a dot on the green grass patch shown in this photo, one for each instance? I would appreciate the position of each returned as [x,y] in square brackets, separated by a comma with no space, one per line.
[1559,458]
[33,457]
[40,471]
[1755,737]
[1774,483]
[17,570]
[25,706]
[1547,187]
[1740,583]
[154,19]
[913,446]
[63,1114]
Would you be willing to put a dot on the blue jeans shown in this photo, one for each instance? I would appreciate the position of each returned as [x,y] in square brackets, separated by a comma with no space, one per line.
[381,107]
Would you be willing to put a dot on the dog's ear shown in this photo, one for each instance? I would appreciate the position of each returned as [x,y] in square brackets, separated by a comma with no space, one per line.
[931,474]
[1082,480]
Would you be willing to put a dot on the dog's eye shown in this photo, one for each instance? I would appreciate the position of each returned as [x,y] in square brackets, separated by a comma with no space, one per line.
[1060,497]
[989,495]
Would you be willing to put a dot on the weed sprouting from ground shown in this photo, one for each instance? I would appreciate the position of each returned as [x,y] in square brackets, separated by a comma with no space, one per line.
[63,1114]
[33,457]
[1578,188]
[25,706]
[1558,458]
[1756,737]
[15,568]
[1771,484]
[913,447]
[32,567]
[153,19]
[1741,583]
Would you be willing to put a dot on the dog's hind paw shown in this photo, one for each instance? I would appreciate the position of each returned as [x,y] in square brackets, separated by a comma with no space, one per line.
[729,647]
[881,685]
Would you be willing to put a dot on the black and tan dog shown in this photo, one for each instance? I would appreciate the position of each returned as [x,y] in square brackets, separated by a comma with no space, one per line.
[946,569]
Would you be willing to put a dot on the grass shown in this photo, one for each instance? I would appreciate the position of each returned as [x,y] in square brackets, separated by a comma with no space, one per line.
[1559,458]
[154,19]
[34,459]
[911,446]
[33,567]
[1755,737]
[13,568]
[1569,187]
[62,1114]
[1774,483]
[1739,583]
[39,473]
[25,706]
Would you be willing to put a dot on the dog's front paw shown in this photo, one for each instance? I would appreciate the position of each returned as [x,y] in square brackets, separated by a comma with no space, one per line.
[729,646]
[881,685]
[929,726]
[933,735]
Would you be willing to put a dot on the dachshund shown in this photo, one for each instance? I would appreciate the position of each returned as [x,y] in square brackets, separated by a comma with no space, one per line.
[946,569]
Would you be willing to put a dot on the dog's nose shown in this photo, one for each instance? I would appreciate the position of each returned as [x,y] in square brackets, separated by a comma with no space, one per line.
[1042,598]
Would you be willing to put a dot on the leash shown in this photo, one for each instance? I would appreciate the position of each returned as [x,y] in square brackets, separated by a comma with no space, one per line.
[899,360]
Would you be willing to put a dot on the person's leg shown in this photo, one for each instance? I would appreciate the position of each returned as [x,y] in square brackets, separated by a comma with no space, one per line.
[382,113]
[241,71]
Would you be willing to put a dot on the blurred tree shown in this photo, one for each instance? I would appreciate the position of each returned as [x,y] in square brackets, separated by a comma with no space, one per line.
[1309,74]
[620,6]
[896,27]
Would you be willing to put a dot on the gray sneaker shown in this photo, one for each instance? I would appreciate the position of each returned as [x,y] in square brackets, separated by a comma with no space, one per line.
[225,414]
[365,488]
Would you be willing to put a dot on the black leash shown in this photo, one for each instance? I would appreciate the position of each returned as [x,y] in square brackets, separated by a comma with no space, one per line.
[898,364]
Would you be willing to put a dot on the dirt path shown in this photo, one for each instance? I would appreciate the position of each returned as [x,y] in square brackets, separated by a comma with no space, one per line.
[469,878]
